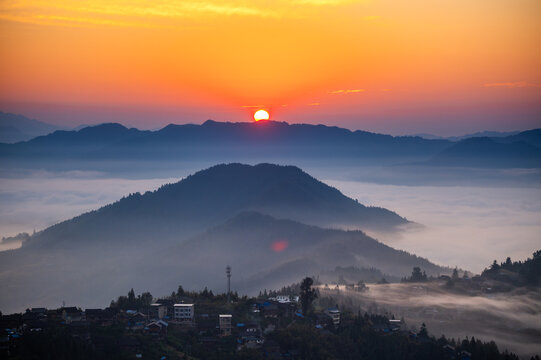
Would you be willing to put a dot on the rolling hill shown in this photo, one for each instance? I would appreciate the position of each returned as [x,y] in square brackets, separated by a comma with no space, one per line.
[211,196]
[249,241]
[41,276]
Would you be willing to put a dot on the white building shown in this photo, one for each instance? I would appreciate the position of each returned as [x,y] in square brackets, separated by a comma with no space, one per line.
[184,313]
[225,324]
[285,299]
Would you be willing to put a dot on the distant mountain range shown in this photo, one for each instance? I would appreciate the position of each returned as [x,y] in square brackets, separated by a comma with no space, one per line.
[532,137]
[254,218]
[214,139]
[467,136]
[16,128]
[268,141]
[493,152]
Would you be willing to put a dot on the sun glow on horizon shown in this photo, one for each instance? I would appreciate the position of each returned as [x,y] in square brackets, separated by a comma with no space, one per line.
[386,66]
[261,115]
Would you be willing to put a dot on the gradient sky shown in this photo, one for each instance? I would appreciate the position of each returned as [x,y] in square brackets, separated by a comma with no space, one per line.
[446,67]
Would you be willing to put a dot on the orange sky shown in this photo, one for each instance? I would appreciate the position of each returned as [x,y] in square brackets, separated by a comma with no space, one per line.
[392,66]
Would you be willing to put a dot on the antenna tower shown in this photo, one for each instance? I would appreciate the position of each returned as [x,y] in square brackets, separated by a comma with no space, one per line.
[228,272]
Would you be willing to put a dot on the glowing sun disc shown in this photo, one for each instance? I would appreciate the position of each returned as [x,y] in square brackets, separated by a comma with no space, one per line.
[261,115]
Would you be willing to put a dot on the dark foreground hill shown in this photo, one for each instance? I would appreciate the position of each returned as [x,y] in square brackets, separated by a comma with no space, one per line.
[264,252]
[210,197]
[271,251]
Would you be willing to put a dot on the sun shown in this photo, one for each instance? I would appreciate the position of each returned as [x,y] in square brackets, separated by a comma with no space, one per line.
[261,115]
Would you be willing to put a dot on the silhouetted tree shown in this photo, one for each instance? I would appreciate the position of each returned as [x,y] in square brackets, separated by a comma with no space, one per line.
[361,286]
[146,299]
[416,276]
[308,295]
[423,332]
[131,297]
[455,274]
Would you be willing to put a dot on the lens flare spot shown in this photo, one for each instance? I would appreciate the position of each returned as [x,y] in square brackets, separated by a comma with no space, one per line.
[280,245]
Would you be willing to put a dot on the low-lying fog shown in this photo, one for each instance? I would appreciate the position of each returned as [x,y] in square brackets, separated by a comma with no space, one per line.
[44,199]
[512,320]
[467,227]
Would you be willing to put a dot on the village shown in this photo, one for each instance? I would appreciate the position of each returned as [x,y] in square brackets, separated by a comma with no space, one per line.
[237,324]
[202,325]
[300,321]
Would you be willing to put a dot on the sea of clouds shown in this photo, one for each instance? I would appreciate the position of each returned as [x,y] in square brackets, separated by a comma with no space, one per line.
[463,226]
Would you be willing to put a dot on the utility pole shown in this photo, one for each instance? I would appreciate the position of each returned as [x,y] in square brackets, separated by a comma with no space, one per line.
[228,272]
